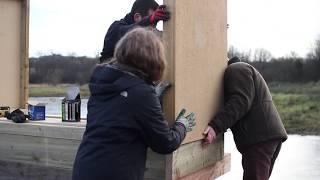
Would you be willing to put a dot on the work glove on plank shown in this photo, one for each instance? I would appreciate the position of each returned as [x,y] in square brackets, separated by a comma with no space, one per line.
[188,121]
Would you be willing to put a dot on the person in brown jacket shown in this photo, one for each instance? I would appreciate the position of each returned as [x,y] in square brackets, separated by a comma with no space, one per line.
[253,118]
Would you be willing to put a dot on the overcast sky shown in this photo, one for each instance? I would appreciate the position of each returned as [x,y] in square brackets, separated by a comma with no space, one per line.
[78,27]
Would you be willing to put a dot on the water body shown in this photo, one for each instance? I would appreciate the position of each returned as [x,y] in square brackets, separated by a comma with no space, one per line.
[299,158]
[53,105]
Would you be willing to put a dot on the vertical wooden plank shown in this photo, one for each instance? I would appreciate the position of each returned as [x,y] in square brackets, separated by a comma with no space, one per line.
[10,19]
[196,42]
[169,42]
[24,77]
[14,52]
[169,99]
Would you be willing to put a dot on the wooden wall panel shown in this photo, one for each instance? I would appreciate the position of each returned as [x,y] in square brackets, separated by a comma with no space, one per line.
[196,43]
[14,52]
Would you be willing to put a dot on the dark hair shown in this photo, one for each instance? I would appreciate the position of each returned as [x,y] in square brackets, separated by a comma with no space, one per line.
[143,7]
[234,60]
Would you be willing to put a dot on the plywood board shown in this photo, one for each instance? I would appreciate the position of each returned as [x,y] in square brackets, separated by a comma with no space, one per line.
[14,20]
[196,44]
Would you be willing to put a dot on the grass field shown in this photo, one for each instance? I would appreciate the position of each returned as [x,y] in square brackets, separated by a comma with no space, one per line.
[298,104]
[44,90]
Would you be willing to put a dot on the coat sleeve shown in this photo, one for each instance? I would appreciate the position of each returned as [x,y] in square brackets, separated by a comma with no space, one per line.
[239,91]
[155,130]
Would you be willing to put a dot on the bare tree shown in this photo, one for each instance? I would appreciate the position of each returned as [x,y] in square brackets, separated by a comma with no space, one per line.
[232,52]
[315,52]
[262,55]
[244,56]
[292,55]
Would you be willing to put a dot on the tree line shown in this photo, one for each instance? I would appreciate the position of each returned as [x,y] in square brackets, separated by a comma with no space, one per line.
[58,69]
[291,68]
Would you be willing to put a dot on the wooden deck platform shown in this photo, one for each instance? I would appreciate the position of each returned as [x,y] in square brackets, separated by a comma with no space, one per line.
[46,150]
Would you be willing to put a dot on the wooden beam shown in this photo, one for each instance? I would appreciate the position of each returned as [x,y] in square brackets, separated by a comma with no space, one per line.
[196,43]
[39,151]
[14,19]
[193,157]
[21,171]
[211,172]
[71,131]
[52,144]
[24,84]
[168,36]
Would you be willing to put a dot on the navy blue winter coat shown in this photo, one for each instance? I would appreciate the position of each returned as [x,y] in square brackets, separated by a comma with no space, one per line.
[115,32]
[124,119]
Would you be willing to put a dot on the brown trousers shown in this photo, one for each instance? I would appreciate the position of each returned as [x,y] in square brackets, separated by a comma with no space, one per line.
[258,159]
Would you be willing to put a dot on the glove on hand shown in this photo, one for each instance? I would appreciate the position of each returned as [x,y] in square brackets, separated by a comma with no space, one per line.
[160,14]
[188,121]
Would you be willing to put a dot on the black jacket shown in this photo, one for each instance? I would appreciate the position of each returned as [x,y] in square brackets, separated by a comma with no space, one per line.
[116,31]
[249,110]
[124,118]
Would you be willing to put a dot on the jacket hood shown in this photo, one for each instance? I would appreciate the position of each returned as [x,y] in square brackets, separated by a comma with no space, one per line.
[108,81]
[129,18]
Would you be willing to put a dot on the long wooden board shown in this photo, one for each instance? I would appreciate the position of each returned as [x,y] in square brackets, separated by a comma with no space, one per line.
[14,22]
[196,44]
[51,146]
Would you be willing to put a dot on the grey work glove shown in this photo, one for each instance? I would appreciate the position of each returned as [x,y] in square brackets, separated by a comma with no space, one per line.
[161,88]
[188,121]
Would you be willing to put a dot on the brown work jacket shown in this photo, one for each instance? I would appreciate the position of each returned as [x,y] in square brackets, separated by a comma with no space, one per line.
[248,110]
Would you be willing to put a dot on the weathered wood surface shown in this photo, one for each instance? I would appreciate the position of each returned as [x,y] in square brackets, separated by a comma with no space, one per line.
[211,172]
[51,128]
[24,55]
[193,157]
[22,171]
[40,151]
[51,147]
[14,18]
[196,44]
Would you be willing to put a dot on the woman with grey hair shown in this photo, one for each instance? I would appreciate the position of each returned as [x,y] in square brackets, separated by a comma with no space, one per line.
[125,115]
